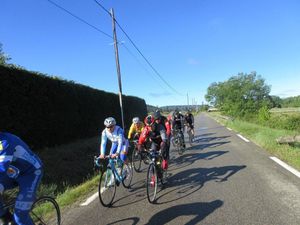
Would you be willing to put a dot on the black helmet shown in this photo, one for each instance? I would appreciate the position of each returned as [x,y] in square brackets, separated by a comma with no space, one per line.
[176,113]
[157,115]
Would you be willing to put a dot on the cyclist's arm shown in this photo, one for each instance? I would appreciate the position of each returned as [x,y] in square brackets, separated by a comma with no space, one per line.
[120,141]
[131,130]
[103,143]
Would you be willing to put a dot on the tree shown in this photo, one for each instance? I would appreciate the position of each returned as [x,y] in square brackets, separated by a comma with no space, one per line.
[239,95]
[3,57]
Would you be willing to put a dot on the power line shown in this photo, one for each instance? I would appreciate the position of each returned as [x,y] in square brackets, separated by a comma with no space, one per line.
[134,45]
[78,18]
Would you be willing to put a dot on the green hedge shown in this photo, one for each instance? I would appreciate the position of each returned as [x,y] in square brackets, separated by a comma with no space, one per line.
[45,111]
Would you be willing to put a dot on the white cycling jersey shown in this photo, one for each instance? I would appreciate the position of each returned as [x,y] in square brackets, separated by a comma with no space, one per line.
[116,137]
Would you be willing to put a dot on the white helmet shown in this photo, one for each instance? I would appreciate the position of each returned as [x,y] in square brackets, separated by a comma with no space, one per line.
[136,120]
[110,121]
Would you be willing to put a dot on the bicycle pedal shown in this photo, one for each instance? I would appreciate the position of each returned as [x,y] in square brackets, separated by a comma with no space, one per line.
[117,183]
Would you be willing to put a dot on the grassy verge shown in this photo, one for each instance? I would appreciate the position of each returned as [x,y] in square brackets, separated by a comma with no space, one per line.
[264,137]
[78,193]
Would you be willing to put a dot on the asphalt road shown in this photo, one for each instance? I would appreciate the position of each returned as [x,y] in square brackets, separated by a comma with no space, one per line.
[220,180]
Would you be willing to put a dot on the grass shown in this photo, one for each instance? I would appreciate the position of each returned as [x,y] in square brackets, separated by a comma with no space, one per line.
[266,138]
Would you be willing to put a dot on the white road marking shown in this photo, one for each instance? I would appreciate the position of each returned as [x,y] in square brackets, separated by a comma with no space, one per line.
[245,139]
[90,199]
[229,129]
[286,166]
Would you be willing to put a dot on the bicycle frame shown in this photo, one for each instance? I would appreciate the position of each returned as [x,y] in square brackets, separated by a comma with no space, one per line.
[112,164]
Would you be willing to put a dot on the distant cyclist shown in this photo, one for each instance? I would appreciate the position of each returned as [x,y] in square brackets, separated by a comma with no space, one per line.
[19,166]
[115,134]
[189,120]
[178,124]
[135,128]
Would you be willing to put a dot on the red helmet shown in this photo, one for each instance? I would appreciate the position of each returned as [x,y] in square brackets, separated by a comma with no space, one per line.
[149,120]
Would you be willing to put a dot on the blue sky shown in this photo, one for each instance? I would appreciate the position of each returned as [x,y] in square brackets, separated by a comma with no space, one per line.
[191,43]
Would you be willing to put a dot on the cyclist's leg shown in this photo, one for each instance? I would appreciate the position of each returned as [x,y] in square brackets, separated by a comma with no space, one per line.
[28,186]
[182,136]
[124,150]
[164,153]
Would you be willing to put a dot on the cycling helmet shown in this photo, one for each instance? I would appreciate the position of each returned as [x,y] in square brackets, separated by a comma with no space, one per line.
[136,120]
[109,122]
[157,115]
[149,120]
[176,113]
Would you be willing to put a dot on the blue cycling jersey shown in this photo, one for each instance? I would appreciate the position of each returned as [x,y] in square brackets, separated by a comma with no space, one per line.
[13,151]
[19,166]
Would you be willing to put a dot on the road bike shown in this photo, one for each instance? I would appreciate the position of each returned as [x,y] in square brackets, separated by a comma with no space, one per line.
[138,157]
[116,172]
[44,211]
[177,141]
[154,174]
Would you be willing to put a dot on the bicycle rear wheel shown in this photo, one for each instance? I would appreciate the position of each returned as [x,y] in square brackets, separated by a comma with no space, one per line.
[191,137]
[136,160]
[127,174]
[151,183]
[107,187]
[45,211]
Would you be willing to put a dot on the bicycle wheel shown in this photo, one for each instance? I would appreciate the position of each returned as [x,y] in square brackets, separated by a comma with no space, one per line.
[107,187]
[136,160]
[45,211]
[151,183]
[127,174]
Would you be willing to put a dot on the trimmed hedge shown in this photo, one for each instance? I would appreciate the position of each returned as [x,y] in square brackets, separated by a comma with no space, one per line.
[45,111]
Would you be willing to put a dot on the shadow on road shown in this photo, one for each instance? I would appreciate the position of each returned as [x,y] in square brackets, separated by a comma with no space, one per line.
[190,181]
[188,159]
[199,210]
[134,220]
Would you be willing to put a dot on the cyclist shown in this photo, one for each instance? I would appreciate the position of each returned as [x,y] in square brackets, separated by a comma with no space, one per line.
[167,125]
[189,120]
[19,166]
[177,124]
[157,136]
[135,128]
[115,134]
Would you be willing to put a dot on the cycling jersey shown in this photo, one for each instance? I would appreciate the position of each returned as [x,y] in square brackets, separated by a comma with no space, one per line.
[189,119]
[19,166]
[119,142]
[134,129]
[177,122]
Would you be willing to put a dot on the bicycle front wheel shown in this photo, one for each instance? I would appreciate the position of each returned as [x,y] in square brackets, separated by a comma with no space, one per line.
[127,174]
[136,160]
[45,211]
[151,183]
[107,187]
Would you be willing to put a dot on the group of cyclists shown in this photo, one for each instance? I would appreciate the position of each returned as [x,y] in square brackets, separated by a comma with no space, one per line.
[155,132]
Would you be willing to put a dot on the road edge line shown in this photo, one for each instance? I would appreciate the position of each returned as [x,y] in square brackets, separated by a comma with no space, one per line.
[245,139]
[90,199]
[286,166]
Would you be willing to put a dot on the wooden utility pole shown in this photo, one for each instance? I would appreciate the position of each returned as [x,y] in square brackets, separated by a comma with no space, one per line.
[117,64]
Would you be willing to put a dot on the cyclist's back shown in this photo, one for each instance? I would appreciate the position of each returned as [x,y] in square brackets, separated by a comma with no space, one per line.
[19,166]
